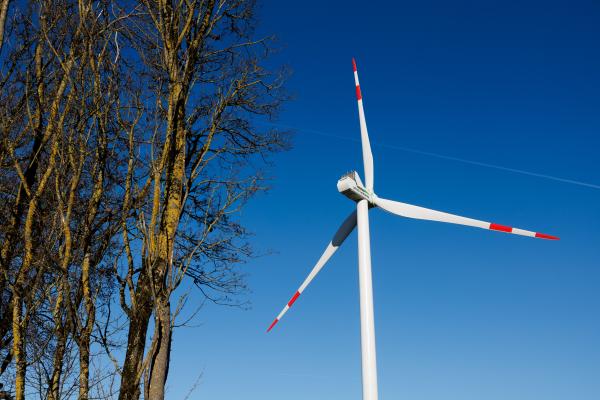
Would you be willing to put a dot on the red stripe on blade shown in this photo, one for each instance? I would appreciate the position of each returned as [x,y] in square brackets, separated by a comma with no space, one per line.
[502,228]
[353,65]
[358,94]
[272,324]
[544,236]
[293,299]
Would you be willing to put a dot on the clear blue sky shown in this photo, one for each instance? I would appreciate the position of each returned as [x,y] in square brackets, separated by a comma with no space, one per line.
[461,313]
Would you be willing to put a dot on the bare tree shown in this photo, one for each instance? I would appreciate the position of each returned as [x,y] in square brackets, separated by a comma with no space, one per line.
[56,143]
[202,62]
[128,145]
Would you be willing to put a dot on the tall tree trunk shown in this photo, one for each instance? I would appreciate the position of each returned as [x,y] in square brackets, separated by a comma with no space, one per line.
[159,367]
[19,324]
[136,341]
[20,203]
[60,332]
[18,345]
[59,353]
[84,339]
[84,367]
[3,12]
[159,364]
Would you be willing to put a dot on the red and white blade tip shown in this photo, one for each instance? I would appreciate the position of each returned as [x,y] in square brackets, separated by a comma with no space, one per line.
[275,321]
[358,92]
[544,236]
[509,229]
[287,307]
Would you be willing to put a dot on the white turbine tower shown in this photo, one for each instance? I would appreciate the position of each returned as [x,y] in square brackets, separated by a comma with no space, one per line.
[351,186]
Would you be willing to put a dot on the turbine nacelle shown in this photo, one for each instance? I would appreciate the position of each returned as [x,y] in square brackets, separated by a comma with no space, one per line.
[352,187]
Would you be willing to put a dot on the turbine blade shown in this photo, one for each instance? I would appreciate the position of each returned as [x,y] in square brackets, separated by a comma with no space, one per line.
[410,211]
[364,134]
[337,240]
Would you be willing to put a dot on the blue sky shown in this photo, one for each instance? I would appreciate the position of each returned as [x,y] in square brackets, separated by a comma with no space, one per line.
[461,313]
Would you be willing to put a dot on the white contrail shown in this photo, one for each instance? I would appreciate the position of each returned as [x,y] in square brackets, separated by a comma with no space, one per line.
[445,157]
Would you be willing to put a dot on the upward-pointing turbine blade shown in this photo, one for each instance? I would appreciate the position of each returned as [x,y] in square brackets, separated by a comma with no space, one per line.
[364,134]
[337,240]
[410,211]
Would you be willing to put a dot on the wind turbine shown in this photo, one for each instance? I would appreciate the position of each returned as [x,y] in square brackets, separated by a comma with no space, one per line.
[352,187]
